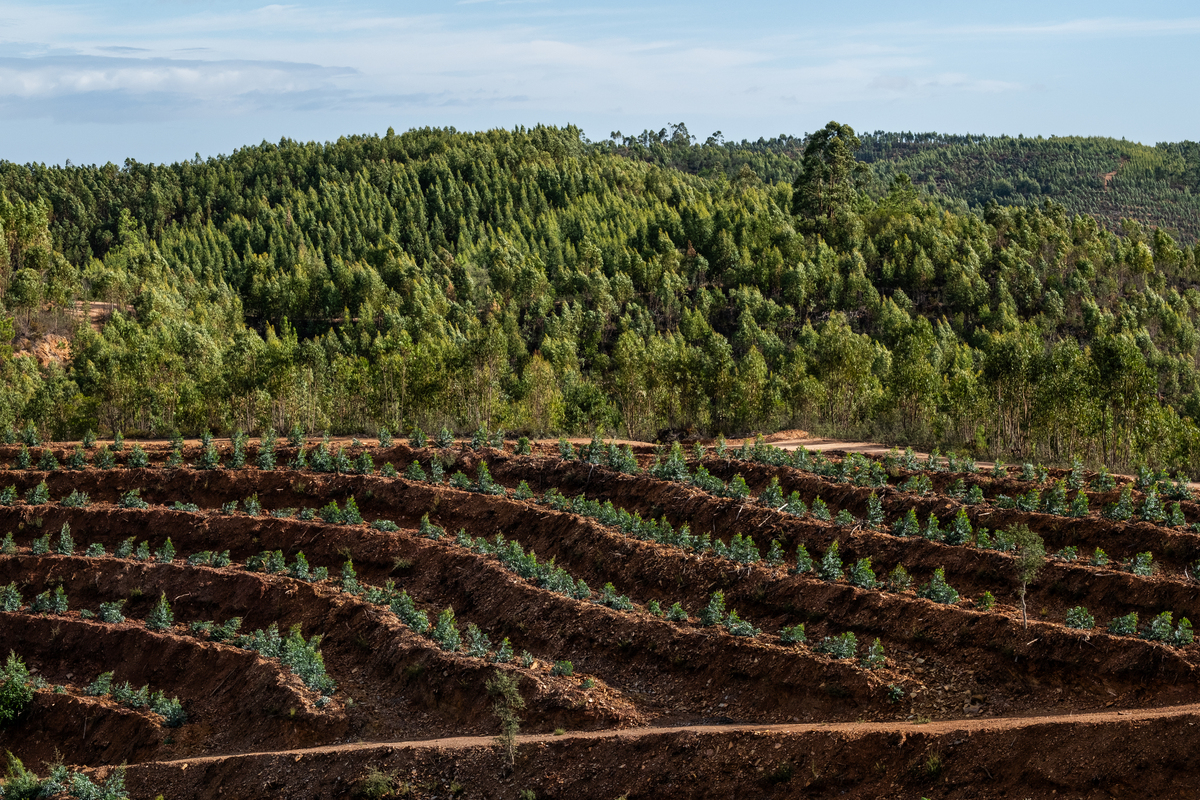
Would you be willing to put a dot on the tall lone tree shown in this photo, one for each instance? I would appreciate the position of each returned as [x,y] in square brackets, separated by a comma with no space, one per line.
[826,183]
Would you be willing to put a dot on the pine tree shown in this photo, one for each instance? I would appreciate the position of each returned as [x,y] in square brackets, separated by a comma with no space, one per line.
[161,616]
[830,568]
[445,632]
[874,512]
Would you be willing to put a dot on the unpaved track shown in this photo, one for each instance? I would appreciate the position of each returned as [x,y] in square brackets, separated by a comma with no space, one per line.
[937,728]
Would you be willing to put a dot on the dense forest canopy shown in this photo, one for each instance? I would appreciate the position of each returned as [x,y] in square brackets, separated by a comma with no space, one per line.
[537,282]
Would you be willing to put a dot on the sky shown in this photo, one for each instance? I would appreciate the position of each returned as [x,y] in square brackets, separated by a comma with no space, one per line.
[164,81]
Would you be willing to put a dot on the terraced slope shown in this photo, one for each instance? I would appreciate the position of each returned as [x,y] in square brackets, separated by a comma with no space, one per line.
[755,623]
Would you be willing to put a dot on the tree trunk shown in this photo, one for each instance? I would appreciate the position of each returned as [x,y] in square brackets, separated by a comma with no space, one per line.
[1024,619]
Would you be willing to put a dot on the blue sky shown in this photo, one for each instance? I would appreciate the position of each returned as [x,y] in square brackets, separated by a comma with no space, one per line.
[161,81]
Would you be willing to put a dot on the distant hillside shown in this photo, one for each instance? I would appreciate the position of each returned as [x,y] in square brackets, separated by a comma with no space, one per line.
[1108,178]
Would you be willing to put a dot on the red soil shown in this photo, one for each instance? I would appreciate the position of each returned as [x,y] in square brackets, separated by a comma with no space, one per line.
[1041,709]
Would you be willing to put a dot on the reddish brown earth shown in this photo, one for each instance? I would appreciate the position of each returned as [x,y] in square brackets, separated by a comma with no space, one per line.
[990,706]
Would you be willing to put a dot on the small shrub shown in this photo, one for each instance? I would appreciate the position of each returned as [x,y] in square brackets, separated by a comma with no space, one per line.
[772,496]
[1142,564]
[252,506]
[47,462]
[874,658]
[907,525]
[484,483]
[166,553]
[1099,558]
[1055,501]
[830,568]
[1122,510]
[960,531]
[504,653]
[8,547]
[1183,633]
[443,439]
[142,553]
[331,514]
[861,574]
[101,686]
[133,499]
[169,709]
[1079,618]
[299,570]
[10,597]
[793,634]
[874,512]
[1124,626]
[77,460]
[676,613]
[445,632]
[740,627]
[795,505]
[478,644]
[774,555]
[50,602]
[38,495]
[104,459]
[111,612]
[76,499]
[933,530]
[938,590]
[266,451]
[40,545]
[841,646]
[986,602]
[8,495]
[296,436]
[1103,482]
[738,490]
[714,612]
[898,580]
[124,549]
[16,690]
[66,543]
[820,510]
[161,616]
[564,668]
[804,562]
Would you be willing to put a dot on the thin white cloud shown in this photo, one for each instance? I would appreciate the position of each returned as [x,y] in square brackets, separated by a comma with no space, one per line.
[69,75]
[1079,28]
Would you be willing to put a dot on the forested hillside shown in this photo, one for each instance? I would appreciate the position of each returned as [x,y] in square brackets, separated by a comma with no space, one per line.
[531,281]
[1110,179]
